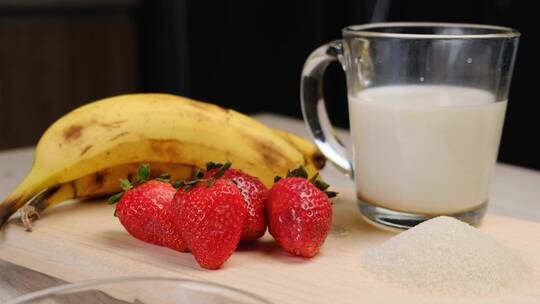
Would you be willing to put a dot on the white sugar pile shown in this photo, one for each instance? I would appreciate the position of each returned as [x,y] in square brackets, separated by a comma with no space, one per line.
[446,256]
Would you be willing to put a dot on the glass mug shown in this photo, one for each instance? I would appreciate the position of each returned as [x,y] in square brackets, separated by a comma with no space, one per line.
[426,109]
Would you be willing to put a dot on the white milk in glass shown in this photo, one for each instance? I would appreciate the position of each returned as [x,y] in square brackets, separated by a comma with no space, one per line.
[425,149]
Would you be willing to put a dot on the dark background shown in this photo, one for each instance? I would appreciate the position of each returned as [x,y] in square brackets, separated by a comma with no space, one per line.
[56,55]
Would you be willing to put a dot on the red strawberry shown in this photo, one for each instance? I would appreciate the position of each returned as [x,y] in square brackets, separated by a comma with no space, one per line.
[299,214]
[210,217]
[144,211]
[254,193]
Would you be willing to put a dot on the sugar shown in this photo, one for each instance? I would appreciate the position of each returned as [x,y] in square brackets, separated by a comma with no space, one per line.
[446,256]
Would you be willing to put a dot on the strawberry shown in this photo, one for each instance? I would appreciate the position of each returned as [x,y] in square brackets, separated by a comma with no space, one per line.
[144,210]
[210,215]
[254,193]
[299,213]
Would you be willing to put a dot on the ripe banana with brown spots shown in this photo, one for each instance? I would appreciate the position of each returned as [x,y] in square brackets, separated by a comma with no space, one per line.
[172,133]
[97,185]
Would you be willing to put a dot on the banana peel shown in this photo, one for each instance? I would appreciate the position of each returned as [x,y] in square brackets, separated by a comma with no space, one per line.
[83,154]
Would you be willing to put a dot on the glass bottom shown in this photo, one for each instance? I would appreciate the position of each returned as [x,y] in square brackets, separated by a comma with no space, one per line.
[396,220]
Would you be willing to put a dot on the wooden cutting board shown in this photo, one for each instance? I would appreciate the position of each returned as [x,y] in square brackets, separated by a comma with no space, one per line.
[83,240]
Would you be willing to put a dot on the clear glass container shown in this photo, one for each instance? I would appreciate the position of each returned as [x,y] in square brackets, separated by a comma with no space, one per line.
[426,107]
[140,291]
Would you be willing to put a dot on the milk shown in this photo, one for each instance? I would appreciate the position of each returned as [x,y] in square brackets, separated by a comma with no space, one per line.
[425,149]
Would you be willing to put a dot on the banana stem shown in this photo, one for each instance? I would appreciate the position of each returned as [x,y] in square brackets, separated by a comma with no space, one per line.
[29,187]
[10,206]
[28,214]
[31,212]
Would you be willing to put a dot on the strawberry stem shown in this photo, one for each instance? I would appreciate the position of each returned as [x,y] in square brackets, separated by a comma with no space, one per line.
[315,180]
[143,175]
[199,176]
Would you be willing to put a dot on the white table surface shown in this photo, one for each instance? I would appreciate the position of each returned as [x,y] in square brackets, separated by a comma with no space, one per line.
[515,193]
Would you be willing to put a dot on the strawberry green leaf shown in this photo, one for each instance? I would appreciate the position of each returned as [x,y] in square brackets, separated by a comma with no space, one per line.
[298,172]
[222,170]
[165,177]
[192,182]
[125,184]
[321,184]
[178,184]
[331,194]
[218,174]
[198,173]
[143,173]
[212,165]
[186,185]
[314,178]
[277,178]
[115,198]
[199,176]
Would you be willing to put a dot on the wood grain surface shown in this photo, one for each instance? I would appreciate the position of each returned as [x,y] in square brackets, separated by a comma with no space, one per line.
[83,240]
[17,280]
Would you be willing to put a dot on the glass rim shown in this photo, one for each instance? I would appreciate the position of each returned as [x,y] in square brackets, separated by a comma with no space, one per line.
[365,30]
[36,295]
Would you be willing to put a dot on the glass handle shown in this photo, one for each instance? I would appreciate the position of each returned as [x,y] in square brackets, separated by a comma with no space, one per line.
[314,109]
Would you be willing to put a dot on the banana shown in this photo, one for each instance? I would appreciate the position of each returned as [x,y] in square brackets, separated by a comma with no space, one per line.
[105,182]
[96,185]
[313,159]
[120,132]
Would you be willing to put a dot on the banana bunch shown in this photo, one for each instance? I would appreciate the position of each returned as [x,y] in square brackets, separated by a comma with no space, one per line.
[86,152]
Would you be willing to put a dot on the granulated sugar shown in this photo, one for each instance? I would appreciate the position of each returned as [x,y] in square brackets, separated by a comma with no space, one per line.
[446,256]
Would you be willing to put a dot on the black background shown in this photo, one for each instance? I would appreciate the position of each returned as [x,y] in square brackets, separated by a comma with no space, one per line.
[248,55]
